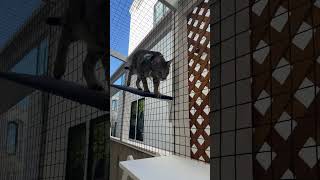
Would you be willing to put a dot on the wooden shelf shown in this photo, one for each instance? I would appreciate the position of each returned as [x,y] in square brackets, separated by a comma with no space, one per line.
[166,168]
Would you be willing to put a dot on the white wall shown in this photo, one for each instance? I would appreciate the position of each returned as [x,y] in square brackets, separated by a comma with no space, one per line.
[141,22]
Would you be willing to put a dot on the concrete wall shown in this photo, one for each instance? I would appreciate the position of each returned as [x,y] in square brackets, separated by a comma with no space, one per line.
[120,152]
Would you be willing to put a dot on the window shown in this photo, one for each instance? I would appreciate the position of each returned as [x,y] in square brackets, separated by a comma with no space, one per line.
[98,157]
[114,104]
[88,157]
[12,137]
[76,152]
[123,79]
[160,10]
[137,120]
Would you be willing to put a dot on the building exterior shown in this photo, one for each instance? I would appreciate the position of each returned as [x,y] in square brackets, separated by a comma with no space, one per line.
[44,136]
[171,127]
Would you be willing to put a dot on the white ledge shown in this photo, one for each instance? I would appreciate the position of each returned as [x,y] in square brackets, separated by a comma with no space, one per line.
[166,167]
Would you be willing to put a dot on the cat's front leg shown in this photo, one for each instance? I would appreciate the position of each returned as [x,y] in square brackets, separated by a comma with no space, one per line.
[129,78]
[145,84]
[156,84]
[138,83]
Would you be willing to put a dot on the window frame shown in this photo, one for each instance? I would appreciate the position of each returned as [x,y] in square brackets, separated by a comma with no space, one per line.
[16,125]
[164,10]
[136,121]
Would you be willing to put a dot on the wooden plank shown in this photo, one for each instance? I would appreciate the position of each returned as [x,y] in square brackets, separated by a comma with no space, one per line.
[166,167]
[66,89]
[140,92]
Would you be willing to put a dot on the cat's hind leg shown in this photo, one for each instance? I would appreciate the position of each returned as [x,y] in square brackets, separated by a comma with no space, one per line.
[138,83]
[61,58]
[89,65]
[129,78]
[145,84]
[106,67]
[156,84]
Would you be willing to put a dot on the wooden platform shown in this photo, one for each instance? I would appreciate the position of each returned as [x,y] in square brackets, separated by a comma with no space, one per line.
[166,168]
[66,89]
[140,92]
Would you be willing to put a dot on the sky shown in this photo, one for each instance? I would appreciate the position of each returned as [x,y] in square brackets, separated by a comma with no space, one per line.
[119,30]
[14,13]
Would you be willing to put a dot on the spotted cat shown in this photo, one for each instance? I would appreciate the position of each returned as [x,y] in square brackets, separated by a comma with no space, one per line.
[144,64]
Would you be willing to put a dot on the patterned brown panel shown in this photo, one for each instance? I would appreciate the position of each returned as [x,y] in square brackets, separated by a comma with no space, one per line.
[285,67]
[199,79]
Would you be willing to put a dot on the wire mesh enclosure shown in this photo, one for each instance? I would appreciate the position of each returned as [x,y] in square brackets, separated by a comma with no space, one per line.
[44,136]
[165,127]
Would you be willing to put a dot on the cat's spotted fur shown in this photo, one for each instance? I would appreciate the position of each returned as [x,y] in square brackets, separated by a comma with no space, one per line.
[144,64]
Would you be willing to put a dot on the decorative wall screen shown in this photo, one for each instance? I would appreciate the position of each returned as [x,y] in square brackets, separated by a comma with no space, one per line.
[199,79]
[285,86]
[265,94]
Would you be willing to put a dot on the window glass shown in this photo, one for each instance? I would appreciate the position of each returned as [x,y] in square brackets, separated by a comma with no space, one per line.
[133,117]
[123,79]
[160,10]
[140,120]
[114,104]
[98,157]
[76,152]
[42,58]
[12,137]
[137,120]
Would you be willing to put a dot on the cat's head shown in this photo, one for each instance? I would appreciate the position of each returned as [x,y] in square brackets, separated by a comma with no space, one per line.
[161,67]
